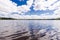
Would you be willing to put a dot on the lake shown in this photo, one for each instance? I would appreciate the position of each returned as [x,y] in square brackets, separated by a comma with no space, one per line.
[36,28]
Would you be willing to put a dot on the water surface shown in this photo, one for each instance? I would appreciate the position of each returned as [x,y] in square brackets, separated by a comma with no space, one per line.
[37,28]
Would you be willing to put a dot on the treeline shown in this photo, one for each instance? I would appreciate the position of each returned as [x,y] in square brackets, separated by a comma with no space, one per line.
[27,19]
[7,19]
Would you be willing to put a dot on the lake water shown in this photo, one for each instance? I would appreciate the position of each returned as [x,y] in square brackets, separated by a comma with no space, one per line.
[38,28]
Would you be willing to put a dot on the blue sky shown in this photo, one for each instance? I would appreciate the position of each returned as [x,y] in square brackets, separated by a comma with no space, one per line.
[26,8]
[19,3]
[32,11]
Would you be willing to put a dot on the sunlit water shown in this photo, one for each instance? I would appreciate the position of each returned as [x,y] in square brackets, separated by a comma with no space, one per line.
[42,29]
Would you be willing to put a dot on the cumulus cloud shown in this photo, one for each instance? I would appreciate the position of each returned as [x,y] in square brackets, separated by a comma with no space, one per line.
[25,8]
[36,16]
[8,7]
[43,5]
[12,7]
[49,4]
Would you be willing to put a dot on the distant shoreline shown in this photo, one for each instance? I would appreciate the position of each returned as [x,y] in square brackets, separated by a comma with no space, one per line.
[2,18]
[25,19]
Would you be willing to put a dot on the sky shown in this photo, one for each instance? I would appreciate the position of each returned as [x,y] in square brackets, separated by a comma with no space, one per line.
[30,9]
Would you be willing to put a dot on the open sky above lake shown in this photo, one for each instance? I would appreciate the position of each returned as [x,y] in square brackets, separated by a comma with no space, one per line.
[39,9]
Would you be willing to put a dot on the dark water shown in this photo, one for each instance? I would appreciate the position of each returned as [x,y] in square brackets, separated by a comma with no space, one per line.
[31,29]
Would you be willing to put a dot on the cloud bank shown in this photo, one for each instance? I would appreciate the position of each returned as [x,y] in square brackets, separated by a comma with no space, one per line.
[7,8]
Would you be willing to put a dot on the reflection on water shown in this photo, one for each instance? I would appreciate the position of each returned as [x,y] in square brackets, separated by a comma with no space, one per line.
[29,29]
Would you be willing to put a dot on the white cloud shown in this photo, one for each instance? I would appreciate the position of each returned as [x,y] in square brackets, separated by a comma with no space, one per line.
[25,8]
[55,6]
[37,17]
[49,4]
[42,4]
[8,7]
